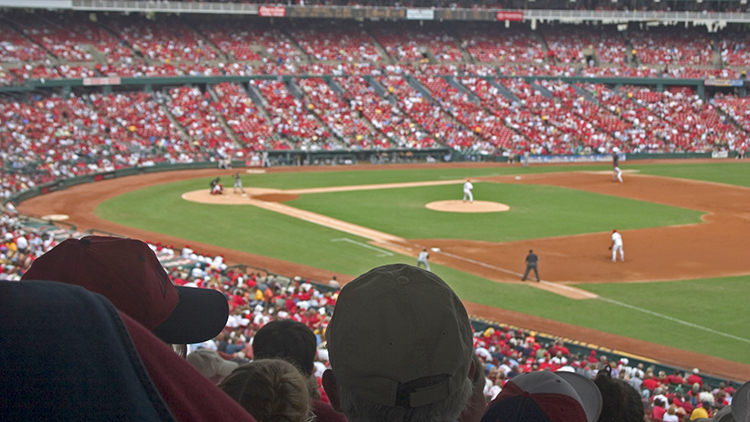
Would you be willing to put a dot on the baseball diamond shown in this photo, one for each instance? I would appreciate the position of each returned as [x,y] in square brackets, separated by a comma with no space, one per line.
[574,267]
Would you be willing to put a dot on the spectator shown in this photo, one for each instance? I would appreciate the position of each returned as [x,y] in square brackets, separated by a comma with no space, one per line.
[671,415]
[406,355]
[659,410]
[550,396]
[211,365]
[127,272]
[706,396]
[620,401]
[477,402]
[295,343]
[694,378]
[270,390]
[701,411]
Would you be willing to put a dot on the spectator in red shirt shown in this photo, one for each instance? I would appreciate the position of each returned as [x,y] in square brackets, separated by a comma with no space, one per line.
[695,378]
[649,382]
[675,378]
[659,410]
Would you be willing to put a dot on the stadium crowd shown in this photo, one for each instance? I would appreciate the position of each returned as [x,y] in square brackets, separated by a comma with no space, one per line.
[52,46]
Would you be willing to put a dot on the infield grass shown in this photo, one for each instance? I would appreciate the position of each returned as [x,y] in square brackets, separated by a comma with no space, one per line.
[716,304]
[535,211]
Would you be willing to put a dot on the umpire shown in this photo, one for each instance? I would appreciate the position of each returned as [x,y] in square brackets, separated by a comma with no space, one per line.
[531,260]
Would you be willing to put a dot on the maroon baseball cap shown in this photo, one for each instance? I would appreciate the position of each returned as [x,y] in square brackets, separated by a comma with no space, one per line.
[127,272]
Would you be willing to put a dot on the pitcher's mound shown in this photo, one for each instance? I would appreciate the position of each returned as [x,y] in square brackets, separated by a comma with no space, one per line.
[461,206]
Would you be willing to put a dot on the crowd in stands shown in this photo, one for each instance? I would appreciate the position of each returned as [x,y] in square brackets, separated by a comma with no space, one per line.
[49,138]
[53,46]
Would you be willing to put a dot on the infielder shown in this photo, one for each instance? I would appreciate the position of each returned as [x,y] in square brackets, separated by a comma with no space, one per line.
[616,166]
[616,245]
[422,259]
[467,191]
[237,183]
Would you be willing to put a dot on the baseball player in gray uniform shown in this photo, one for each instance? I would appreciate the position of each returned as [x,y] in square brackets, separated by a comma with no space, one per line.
[422,259]
[238,183]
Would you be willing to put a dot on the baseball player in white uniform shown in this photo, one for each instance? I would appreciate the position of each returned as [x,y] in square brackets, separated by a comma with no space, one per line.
[616,245]
[467,191]
[422,259]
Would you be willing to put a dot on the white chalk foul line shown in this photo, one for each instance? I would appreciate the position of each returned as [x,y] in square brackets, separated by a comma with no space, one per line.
[589,295]
[382,252]
[482,264]
[679,321]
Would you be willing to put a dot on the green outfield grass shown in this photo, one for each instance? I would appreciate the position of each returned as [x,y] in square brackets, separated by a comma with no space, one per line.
[249,229]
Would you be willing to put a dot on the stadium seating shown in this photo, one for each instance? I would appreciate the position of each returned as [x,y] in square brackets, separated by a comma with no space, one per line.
[733,46]
[15,48]
[427,114]
[517,45]
[569,42]
[470,113]
[335,42]
[242,115]
[164,41]
[342,118]
[665,46]
[384,115]
[291,119]
[403,43]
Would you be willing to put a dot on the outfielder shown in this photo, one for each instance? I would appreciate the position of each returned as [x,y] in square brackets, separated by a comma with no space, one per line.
[467,191]
[616,245]
[422,259]
[616,172]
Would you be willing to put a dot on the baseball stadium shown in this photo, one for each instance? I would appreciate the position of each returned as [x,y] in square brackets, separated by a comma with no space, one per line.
[276,152]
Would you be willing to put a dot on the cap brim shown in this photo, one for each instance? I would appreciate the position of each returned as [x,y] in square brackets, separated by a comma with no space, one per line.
[200,315]
[588,391]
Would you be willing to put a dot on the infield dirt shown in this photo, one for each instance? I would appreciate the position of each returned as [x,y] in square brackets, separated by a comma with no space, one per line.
[715,248]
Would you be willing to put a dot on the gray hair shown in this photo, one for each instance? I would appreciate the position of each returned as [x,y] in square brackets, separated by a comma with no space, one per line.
[358,409]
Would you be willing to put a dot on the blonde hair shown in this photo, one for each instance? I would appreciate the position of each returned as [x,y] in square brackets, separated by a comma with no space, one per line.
[271,390]
[672,410]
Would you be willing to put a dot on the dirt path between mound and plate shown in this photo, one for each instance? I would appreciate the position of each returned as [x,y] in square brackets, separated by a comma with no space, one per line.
[666,253]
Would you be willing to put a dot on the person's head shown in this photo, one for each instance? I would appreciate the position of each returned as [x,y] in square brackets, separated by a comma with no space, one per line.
[620,401]
[531,251]
[289,340]
[211,365]
[128,273]
[546,396]
[270,390]
[614,230]
[477,402]
[400,348]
